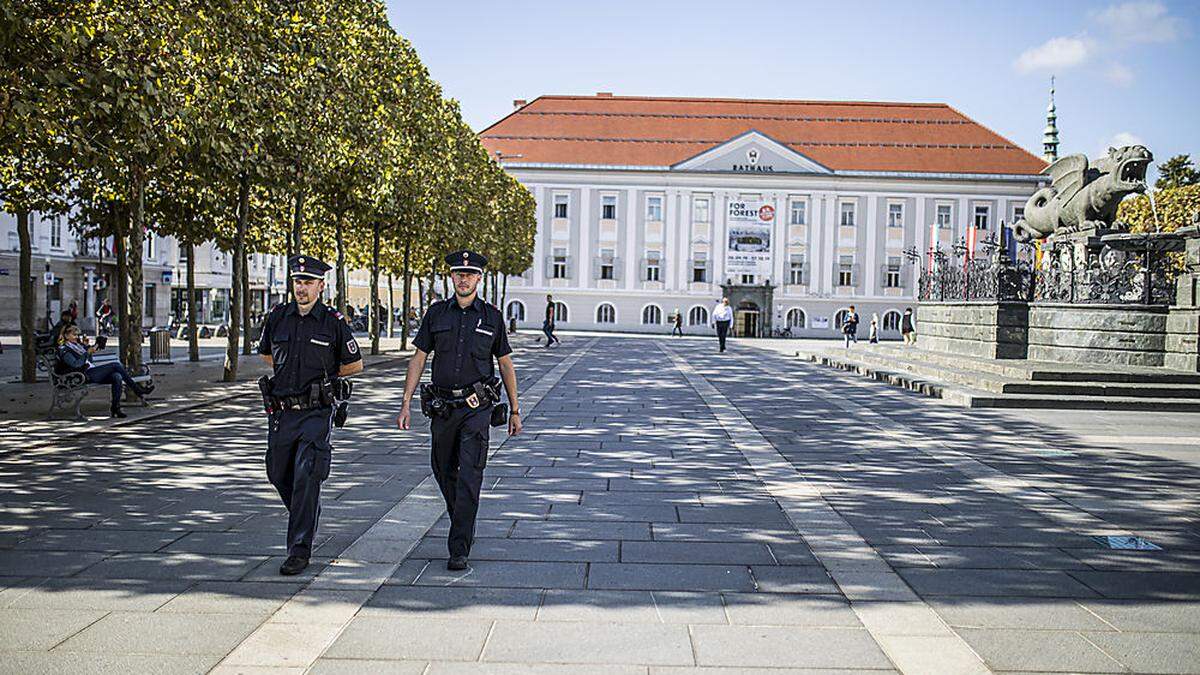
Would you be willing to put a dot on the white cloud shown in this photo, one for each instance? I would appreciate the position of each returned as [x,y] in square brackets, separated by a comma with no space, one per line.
[1119,75]
[1055,54]
[1143,21]
[1120,139]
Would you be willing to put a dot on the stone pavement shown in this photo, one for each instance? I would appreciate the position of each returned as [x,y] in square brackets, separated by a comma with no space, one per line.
[668,510]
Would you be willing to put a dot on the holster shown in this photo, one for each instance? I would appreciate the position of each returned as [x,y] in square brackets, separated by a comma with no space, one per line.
[264,387]
[499,415]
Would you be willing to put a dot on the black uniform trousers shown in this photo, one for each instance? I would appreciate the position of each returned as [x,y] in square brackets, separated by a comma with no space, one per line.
[722,331]
[298,460]
[460,450]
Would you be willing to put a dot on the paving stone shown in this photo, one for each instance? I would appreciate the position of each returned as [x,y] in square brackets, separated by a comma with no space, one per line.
[593,530]
[268,571]
[931,654]
[783,647]
[764,515]
[163,633]
[394,638]
[591,642]
[775,609]
[1148,616]
[326,666]
[669,577]
[453,602]
[1148,585]
[99,540]
[451,668]
[793,579]
[1017,613]
[526,549]
[321,606]
[620,513]
[1024,583]
[47,563]
[56,663]
[723,532]
[231,597]
[1152,652]
[504,574]
[173,566]
[99,594]
[41,629]
[696,552]
[237,543]
[1035,650]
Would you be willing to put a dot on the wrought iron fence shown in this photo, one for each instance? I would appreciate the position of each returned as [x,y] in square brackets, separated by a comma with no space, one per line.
[1109,276]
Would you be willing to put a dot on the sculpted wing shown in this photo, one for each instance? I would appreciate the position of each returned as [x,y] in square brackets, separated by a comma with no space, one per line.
[1067,176]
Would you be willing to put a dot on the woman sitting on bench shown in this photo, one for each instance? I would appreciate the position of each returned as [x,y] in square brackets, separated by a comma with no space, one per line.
[75,356]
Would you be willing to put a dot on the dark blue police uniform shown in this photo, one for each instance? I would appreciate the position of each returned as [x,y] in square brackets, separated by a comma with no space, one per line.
[464,342]
[306,350]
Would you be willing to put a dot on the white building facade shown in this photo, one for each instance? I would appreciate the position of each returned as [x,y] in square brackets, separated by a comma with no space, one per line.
[792,237]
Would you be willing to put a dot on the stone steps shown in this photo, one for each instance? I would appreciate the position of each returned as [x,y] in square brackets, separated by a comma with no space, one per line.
[1004,386]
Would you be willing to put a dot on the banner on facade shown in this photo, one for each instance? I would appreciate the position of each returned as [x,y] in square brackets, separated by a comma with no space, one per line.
[749,249]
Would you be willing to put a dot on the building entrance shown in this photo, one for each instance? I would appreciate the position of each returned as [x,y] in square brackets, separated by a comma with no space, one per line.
[751,308]
[746,320]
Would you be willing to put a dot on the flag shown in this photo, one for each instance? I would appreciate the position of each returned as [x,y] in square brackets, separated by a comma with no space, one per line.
[933,232]
[972,235]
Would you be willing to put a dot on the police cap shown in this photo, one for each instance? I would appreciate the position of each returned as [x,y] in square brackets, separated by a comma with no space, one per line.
[466,261]
[306,266]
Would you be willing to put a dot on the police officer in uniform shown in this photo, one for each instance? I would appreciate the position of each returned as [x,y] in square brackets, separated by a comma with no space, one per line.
[310,348]
[465,334]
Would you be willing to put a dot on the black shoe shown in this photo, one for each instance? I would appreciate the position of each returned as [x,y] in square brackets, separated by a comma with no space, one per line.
[293,565]
[118,413]
[457,563]
[145,389]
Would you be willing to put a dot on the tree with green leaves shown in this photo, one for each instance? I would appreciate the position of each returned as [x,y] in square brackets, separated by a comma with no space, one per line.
[1176,172]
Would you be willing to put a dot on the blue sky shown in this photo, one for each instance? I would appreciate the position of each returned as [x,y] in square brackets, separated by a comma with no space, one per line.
[1127,71]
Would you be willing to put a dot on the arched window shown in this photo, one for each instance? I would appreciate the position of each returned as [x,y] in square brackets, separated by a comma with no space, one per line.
[651,315]
[516,310]
[605,313]
[891,320]
[840,318]
[560,313]
[698,316]
[796,318]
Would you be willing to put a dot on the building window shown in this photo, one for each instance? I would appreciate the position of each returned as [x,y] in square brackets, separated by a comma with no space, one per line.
[799,213]
[1018,214]
[943,216]
[56,232]
[605,313]
[150,301]
[891,321]
[700,267]
[698,316]
[653,266]
[700,213]
[651,315]
[846,270]
[747,279]
[796,318]
[150,247]
[981,217]
[796,270]
[608,268]
[560,206]
[559,267]
[560,313]
[848,209]
[891,278]
[608,207]
[654,209]
[516,310]
[895,215]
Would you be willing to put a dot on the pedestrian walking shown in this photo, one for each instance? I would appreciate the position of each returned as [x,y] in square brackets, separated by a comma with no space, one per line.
[677,324]
[463,399]
[722,316]
[850,327]
[548,324]
[906,327]
[873,336]
[310,350]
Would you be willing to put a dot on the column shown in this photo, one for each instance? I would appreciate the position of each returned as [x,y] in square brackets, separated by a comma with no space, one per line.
[921,240]
[684,241]
[779,247]
[670,216]
[965,219]
[830,243]
[719,210]
[539,246]
[631,256]
[813,253]
[585,239]
[870,259]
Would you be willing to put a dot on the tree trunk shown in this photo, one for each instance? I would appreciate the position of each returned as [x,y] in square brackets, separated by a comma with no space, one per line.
[295,239]
[247,338]
[445,287]
[373,303]
[193,336]
[391,308]
[421,294]
[236,298]
[405,302]
[503,294]
[25,269]
[137,238]
[340,280]
[120,248]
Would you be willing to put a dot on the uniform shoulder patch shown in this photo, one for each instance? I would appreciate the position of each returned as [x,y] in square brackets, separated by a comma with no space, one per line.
[336,313]
[352,346]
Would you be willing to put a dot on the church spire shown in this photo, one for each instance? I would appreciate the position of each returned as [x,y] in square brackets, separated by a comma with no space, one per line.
[1050,134]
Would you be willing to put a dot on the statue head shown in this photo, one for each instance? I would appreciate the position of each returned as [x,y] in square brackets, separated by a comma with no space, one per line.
[1128,166]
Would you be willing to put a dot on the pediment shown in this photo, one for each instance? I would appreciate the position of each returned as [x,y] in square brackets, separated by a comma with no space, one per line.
[752,152]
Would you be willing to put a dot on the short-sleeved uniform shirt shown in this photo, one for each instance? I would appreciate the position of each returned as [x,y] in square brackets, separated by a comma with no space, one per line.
[306,347]
[463,341]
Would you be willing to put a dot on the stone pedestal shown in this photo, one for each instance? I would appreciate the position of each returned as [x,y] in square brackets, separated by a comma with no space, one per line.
[1183,322]
[989,330]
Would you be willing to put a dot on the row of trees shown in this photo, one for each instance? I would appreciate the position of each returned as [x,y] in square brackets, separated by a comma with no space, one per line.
[274,126]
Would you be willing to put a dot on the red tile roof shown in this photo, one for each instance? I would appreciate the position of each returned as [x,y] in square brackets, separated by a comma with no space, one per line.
[843,136]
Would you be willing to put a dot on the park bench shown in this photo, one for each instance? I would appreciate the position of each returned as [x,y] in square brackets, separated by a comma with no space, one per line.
[70,389]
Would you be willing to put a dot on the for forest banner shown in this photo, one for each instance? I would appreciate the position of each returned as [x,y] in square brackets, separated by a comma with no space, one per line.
[749,247]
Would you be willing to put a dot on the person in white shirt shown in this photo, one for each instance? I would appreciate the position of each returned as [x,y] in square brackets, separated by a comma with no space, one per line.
[722,316]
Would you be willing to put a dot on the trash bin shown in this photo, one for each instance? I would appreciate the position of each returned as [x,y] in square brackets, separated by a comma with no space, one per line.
[160,345]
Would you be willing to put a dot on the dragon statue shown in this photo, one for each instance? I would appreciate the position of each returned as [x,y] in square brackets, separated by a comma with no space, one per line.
[1082,197]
